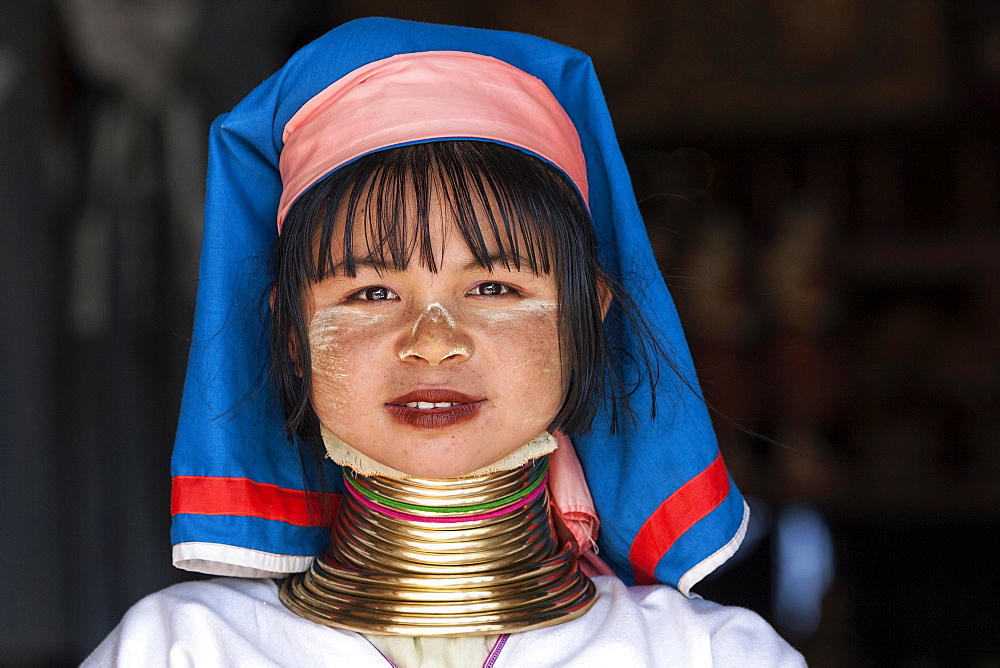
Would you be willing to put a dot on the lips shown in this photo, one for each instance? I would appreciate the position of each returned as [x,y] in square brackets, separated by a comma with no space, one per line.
[434,408]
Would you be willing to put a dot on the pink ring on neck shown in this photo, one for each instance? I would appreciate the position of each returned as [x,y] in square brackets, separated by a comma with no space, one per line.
[424,96]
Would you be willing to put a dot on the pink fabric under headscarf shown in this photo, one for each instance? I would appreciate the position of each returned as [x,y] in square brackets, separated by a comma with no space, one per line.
[574,506]
[421,97]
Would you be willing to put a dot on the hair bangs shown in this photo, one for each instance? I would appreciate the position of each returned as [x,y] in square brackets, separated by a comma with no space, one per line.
[378,209]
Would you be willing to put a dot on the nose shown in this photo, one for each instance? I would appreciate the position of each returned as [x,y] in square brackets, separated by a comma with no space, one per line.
[435,338]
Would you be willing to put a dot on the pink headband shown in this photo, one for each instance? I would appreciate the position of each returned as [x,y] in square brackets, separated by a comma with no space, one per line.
[424,96]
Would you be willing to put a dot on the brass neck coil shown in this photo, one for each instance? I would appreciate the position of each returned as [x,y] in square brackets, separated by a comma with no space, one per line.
[450,557]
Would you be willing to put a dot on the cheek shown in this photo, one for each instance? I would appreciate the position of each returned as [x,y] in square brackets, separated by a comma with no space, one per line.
[526,351]
[336,344]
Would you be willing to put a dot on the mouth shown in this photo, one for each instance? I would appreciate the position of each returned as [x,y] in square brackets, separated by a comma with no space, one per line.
[434,408]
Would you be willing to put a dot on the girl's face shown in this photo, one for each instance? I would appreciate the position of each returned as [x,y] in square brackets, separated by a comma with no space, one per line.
[436,374]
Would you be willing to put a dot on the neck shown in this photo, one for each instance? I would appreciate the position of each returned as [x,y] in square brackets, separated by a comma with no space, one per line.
[443,557]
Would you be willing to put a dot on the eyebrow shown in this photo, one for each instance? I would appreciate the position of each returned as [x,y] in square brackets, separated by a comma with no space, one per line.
[378,265]
[493,259]
[374,263]
[507,260]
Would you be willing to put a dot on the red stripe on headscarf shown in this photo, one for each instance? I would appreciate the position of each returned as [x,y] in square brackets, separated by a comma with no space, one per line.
[678,513]
[242,497]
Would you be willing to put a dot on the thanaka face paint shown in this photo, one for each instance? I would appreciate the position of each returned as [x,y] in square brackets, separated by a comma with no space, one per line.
[436,374]
[433,333]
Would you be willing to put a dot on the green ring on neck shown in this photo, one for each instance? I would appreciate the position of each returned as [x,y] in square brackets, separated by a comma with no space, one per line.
[490,505]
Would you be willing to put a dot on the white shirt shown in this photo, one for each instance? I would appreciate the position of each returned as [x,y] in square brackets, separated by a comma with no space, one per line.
[240,622]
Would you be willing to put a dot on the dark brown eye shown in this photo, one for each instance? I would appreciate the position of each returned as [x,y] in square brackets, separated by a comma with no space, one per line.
[376,293]
[491,289]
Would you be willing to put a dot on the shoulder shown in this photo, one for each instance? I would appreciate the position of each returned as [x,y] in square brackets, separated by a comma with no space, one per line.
[190,606]
[734,636]
[658,626]
[223,622]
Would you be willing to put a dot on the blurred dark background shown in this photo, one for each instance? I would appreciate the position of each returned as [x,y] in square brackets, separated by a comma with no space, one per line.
[821,181]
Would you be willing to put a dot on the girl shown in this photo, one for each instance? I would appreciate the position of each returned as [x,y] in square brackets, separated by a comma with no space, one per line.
[439,227]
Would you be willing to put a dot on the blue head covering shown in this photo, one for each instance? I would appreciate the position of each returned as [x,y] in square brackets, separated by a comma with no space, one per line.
[668,509]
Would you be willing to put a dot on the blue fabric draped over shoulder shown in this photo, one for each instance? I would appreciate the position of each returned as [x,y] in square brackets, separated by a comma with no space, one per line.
[668,509]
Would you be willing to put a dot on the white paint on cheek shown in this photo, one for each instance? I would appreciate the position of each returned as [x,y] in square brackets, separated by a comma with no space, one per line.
[528,331]
[521,309]
[323,331]
[330,331]
[528,315]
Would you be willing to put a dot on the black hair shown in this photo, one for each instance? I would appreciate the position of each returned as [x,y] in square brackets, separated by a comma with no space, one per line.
[510,208]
